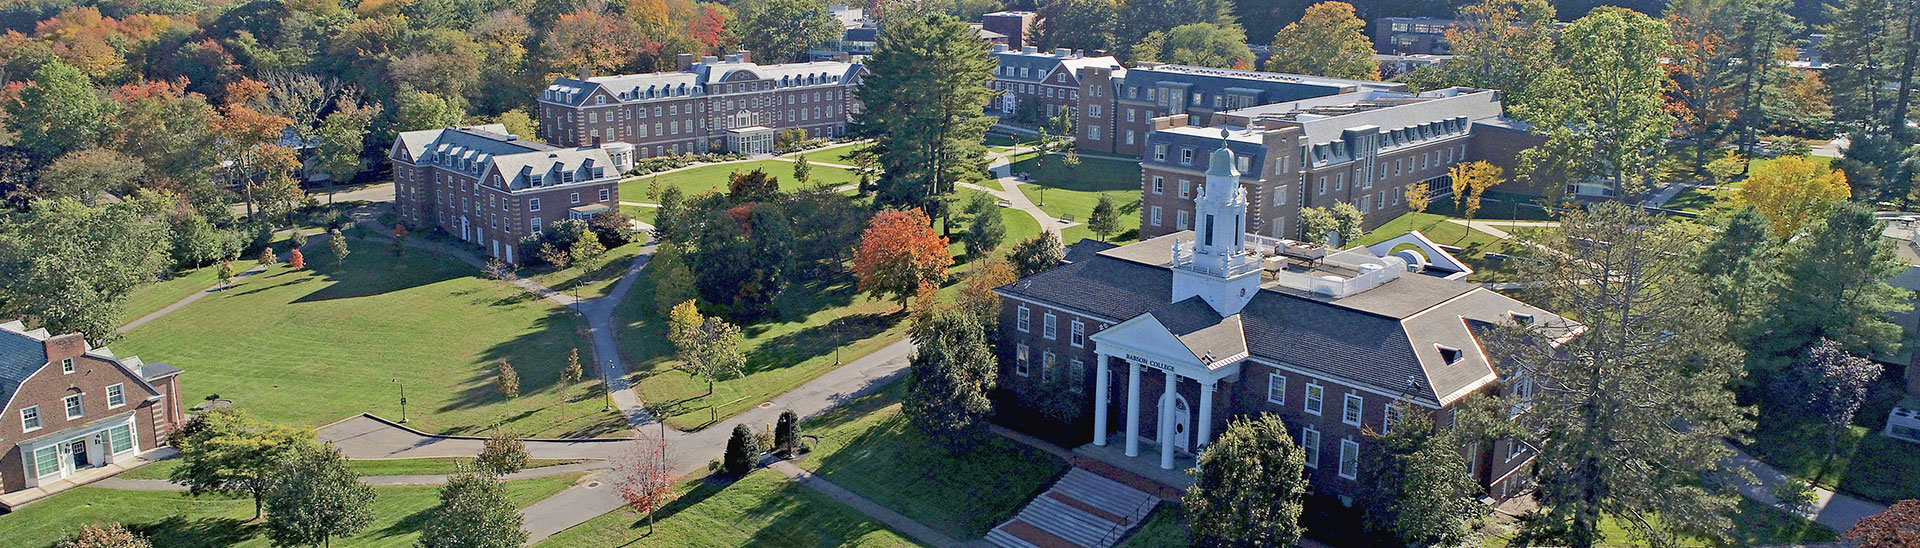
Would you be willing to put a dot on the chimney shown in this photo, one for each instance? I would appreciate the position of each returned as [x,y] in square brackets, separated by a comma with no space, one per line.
[709,60]
[1062,52]
[735,58]
[1029,49]
[745,56]
[585,72]
[999,48]
[61,347]
[685,61]
[596,141]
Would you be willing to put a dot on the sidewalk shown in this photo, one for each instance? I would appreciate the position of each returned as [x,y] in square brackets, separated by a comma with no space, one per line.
[1837,511]
[376,481]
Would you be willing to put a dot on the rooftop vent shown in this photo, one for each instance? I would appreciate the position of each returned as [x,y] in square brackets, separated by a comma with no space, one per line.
[1520,317]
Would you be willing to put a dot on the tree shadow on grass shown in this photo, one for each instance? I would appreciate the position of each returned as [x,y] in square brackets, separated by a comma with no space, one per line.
[816,342]
[538,356]
[261,287]
[370,270]
[412,523]
[797,516]
[178,531]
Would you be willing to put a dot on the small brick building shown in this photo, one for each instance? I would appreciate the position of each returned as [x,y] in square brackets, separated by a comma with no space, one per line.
[70,407]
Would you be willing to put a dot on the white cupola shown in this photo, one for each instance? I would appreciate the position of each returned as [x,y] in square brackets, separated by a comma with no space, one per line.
[1215,264]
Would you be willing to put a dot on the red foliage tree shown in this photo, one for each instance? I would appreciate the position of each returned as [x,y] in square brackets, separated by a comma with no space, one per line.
[297,261]
[898,253]
[646,480]
[1898,527]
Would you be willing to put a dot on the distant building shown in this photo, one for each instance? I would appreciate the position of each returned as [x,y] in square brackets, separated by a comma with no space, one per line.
[1166,342]
[1120,103]
[1016,26]
[713,104]
[486,186]
[71,410]
[1047,82]
[1395,64]
[1413,35]
[1361,148]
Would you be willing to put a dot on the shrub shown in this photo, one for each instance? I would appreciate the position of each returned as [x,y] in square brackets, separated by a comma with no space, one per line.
[786,433]
[502,453]
[1795,494]
[740,456]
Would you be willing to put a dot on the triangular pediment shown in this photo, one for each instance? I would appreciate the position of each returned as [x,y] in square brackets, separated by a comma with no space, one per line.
[1144,338]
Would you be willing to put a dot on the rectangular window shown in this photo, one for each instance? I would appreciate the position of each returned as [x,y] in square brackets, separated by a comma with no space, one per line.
[573,197]
[1050,326]
[534,225]
[1314,393]
[1323,185]
[75,409]
[1310,442]
[1340,181]
[1046,367]
[1160,152]
[1182,218]
[1159,184]
[30,418]
[1186,188]
[66,365]
[606,194]
[1078,336]
[1186,156]
[1389,414]
[1515,449]
[120,439]
[1351,411]
[46,461]
[1155,214]
[1025,322]
[1349,459]
[1277,388]
[1020,360]
[116,396]
[533,204]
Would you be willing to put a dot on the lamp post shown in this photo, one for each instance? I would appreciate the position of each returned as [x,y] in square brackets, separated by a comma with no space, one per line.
[606,388]
[403,400]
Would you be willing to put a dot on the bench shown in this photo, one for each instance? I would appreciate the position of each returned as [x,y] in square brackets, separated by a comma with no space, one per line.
[1067,218]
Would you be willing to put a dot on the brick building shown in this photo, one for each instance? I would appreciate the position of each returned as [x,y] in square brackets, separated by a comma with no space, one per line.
[713,104]
[1015,27]
[71,408]
[1218,324]
[1049,81]
[486,186]
[1361,148]
[1120,104]
[1413,35]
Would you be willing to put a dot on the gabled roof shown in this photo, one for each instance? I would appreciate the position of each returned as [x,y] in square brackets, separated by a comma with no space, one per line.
[1213,340]
[22,353]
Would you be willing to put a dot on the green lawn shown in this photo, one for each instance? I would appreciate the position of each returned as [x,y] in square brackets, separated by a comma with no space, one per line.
[997,139]
[1866,464]
[373,467]
[154,296]
[868,446]
[1438,229]
[643,214]
[1166,527]
[593,279]
[838,154]
[175,520]
[1701,200]
[814,318]
[1063,190]
[762,509]
[314,346]
[1754,524]
[714,177]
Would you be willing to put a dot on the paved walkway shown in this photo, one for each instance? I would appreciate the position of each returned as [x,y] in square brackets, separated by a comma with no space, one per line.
[1014,198]
[376,481]
[905,525]
[1837,511]
[197,295]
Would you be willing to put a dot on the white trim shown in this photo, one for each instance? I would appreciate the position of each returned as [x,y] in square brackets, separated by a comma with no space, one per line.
[36,418]
[1333,379]
[1344,444]
[1310,404]
[1359,409]
[1312,449]
[1276,376]
[122,393]
[67,404]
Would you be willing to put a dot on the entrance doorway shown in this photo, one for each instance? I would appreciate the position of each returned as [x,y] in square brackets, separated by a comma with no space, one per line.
[78,450]
[1182,423]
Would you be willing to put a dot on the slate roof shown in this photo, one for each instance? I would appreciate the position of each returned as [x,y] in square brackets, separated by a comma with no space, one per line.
[516,159]
[21,354]
[1379,338]
[1265,87]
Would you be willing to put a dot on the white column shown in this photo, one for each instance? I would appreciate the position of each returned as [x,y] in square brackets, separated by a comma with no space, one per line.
[1206,414]
[1101,381]
[1133,409]
[1166,422]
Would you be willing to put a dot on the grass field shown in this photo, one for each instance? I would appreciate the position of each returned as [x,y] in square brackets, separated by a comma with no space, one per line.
[374,467]
[590,280]
[715,177]
[868,446]
[1063,190]
[1165,527]
[175,520]
[762,509]
[643,214]
[314,346]
[1438,229]
[837,154]
[815,317]
[1754,524]
[1866,464]
[155,296]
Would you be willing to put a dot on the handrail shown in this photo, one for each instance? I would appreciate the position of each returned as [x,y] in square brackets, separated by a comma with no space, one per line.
[1113,533]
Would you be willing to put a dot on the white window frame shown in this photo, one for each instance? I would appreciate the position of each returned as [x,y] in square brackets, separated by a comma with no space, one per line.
[1276,388]
[1020,359]
[1077,336]
[66,365]
[1024,320]
[1316,398]
[533,204]
[1159,184]
[1155,214]
[1515,449]
[1310,442]
[1353,409]
[73,402]
[1389,414]
[30,419]
[1349,459]
[1050,326]
[116,392]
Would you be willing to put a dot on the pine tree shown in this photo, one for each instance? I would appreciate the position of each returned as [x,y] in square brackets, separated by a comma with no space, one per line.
[1835,288]
[740,455]
[925,109]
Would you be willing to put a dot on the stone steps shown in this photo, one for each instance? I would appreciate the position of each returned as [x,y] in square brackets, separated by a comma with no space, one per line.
[1081,510]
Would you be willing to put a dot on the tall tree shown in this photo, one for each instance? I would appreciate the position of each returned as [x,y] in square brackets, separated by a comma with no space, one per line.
[925,108]
[779,31]
[1197,44]
[898,254]
[1327,41]
[1793,193]
[672,279]
[1856,53]
[1763,31]
[1076,24]
[474,512]
[71,267]
[230,452]
[1247,486]
[1600,110]
[1741,267]
[711,352]
[315,496]
[1699,72]
[1836,289]
[1105,218]
[1598,400]
[1837,384]
[986,229]
[60,111]
[1138,18]
[1470,181]
[85,175]
[1416,487]
[343,137]
[952,371]
[1505,45]
[1037,255]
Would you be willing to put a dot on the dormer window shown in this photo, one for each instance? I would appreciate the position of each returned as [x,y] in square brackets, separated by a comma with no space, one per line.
[1448,354]
[1520,318]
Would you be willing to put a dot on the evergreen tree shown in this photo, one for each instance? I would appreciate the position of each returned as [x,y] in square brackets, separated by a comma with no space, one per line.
[1835,288]
[337,243]
[573,372]
[316,497]
[984,233]
[1598,400]
[952,371]
[1763,29]
[925,109]
[1741,267]
[1856,54]
[474,512]
[1247,486]
[668,213]
[786,433]
[741,454]
[1076,24]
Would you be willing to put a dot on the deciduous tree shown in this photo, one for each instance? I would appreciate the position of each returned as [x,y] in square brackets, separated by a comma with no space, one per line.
[507,381]
[60,111]
[646,480]
[337,243]
[779,31]
[1837,385]
[315,497]
[1105,218]
[1419,196]
[1333,224]
[1037,255]
[1138,18]
[232,453]
[952,371]
[1197,44]
[1247,486]
[474,512]
[1505,45]
[72,267]
[672,279]
[1598,400]
[1470,180]
[1793,192]
[86,175]
[710,352]
[502,453]
[898,253]
[296,260]
[573,372]
[1415,485]
[1897,527]
[1601,109]
[1327,41]
[343,138]
[1835,288]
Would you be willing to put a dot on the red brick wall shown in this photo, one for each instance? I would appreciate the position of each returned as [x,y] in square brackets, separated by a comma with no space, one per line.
[50,386]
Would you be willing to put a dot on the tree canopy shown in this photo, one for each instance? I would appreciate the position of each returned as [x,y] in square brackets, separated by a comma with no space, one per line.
[1326,41]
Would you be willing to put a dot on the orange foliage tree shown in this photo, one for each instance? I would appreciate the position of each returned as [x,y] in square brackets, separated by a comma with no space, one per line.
[1898,527]
[898,253]
[646,479]
[297,261]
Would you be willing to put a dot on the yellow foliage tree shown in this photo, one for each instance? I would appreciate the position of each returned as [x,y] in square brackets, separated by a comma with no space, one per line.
[1419,196]
[1792,192]
[1470,180]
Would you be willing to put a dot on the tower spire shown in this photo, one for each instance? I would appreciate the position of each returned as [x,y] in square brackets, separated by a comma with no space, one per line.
[1218,267]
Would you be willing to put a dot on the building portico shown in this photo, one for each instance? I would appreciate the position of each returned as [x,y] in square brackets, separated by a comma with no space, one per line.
[1146,347]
